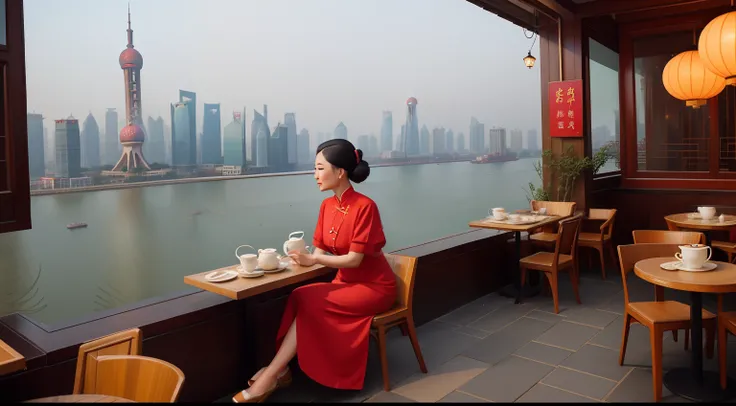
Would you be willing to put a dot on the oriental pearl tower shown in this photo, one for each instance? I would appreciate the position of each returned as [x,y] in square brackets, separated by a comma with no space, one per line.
[132,135]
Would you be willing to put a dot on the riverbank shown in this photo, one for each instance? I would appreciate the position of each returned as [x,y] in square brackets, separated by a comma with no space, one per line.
[162,182]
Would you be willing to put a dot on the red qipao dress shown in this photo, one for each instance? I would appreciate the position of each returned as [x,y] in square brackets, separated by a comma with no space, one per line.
[333,319]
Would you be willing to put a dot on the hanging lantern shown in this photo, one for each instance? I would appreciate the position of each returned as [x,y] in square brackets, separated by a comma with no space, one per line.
[686,78]
[717,46]
[529,60]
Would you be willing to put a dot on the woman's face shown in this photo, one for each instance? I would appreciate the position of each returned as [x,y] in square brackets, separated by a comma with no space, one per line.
[326,175]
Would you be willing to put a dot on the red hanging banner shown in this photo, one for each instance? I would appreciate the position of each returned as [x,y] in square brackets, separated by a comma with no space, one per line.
[566,108]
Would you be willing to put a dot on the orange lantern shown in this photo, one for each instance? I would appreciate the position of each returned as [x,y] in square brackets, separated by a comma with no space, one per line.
[717,46]
[686,78]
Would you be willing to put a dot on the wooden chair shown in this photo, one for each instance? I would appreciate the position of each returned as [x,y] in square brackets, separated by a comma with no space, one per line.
[658,316]
[728,247]
[726,324]
[135,377]
[400,315]
[599,241]
[563,259]
[668,237]
[547,235]
[126,342]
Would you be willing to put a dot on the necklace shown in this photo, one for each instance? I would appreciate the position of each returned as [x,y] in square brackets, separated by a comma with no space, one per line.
[333,230]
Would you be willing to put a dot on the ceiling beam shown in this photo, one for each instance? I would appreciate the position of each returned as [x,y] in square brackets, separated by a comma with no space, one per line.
[611,7]
[508,11]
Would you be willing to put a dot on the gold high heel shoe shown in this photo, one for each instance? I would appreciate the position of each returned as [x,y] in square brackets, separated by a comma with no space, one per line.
[283,380]
[245,397]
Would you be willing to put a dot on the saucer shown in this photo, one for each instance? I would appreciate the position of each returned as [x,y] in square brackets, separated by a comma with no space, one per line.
[670,266]
[708,266]
[253,274]
[282,265]
[220,276]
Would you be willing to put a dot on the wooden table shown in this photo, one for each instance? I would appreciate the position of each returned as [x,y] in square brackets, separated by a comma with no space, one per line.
[81,399]
[241,288]
[684,221]
[10,360]
[515,290]
[693,383]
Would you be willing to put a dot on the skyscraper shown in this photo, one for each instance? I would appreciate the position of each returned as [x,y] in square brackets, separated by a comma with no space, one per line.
[374,150]
[36,162]
[90,142]
[154,148]
[516,141]
[190,99]
[291,138]
[461,143]
[234,142]
[181,140]
[211,141]
[132,135]
[411,136]
[477,136]
[387,131]
[341,131]
[439,142]
[260,139]
[278,152]
[532,141]
[497,141]
[450,145]
[364,144]
[303,155]
[68,148]
[112,154]
[424,141]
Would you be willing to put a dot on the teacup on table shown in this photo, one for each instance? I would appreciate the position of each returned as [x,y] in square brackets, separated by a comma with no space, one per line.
[498,213]
[694,256]
[514,218]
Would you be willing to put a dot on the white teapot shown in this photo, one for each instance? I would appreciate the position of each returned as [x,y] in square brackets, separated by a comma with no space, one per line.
[296,243]
[268,259]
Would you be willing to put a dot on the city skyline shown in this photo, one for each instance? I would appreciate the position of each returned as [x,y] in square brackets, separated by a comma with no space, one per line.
[313,90]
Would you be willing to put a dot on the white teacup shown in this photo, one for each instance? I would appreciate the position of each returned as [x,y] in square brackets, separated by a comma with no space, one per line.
[694,256]
[707,212]
[514,217]
[498,213]
[248,262]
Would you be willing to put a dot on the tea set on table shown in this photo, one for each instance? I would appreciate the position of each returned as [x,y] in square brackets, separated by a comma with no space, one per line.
[691,258]
[262,261]
[500,214]
[706,213]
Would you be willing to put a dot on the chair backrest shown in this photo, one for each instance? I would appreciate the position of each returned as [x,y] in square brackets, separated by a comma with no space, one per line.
[567,237]
[608,216]
[126,342]
[554,208]
[135,377]
[629,255]
[405,270]
[668,237]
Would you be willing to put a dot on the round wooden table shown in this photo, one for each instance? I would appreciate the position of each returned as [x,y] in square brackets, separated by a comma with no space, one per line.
[693,221]
[693,383]
[81,399]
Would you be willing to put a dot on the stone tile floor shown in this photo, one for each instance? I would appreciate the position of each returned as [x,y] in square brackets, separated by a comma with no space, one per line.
[492,350]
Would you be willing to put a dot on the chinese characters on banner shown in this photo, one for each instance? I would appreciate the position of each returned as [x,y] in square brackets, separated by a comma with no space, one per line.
[566,108]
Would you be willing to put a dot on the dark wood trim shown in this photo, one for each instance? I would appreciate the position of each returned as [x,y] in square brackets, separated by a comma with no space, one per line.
[15,206]
[679,183]
[508,11]
[620,7]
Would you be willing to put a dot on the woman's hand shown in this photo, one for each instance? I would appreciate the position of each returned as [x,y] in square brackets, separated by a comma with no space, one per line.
[303,259]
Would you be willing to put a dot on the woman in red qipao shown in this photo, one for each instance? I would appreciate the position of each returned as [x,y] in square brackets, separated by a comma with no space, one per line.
[327,324]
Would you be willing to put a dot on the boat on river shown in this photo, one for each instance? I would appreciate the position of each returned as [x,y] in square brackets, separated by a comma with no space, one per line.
[73,226]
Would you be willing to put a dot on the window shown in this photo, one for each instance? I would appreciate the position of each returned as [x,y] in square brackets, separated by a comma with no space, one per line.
[670,135]
[604,105]
[727,130]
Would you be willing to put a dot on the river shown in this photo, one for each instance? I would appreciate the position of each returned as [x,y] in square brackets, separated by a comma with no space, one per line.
[141,242]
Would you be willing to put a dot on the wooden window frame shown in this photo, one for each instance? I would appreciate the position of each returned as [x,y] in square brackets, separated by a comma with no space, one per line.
[15,203]
[632,177]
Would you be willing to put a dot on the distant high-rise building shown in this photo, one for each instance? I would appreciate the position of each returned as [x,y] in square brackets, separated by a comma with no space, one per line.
[373,150]
[68,148]
[112,154]
[132,135]
[211,136]
[278,152]
[167,143]
[450,137]
[411,138]
[364,144]
[181,140]
[234,142]
[90,142]
[477,136]
[516,141]
[190,100]
[461,143]
[302,151]
[36,162]
[387,131]
[400,143]
[424,141]
[260,139]
[341,131]
[49,150]
[532,140]
[497,141]
[154,148]
[291,138]
[439,142]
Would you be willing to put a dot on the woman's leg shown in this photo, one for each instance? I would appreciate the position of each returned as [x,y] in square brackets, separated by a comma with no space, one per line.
[285,354]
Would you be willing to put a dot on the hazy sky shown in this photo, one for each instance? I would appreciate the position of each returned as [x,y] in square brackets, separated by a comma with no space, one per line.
[326,60]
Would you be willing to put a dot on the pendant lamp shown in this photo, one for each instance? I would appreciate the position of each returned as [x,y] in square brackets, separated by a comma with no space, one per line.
[686,78]
[717,46]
